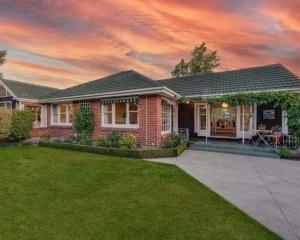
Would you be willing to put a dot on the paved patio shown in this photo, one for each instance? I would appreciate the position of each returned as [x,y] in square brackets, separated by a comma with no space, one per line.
[265,188]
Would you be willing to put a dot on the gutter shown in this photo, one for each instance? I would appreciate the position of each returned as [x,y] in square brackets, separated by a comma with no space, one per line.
[155,90]
[233,93]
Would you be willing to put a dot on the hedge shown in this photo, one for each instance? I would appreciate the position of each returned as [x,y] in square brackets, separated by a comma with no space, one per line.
[119,152]
[5,122]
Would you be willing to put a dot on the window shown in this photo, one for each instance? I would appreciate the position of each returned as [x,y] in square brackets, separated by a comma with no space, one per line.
[37,115]
[7,105]
[246,114]
[85,104]
[120,115]
[166,117]
[62,114]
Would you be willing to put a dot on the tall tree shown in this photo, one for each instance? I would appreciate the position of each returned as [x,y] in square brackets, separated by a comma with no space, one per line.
[201,62]
[2,59]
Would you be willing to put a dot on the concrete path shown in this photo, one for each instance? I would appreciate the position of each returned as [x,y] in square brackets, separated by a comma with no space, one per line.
[265,188]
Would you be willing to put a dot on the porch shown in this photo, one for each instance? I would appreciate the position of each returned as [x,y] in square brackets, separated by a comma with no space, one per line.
[222,121]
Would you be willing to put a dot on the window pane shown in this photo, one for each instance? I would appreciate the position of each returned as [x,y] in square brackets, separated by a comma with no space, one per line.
[63,108]
[202,122]
[246,119]
[108,118]
[70,110]
[120,113]
[132,107]
[63,118]
[202,110]
[108,108]
[166,116]
[55,113]
[133,118]
[8,105]
[54,108]
[55,118]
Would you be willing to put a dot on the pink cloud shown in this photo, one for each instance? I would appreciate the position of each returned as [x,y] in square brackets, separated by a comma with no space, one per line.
[151,37]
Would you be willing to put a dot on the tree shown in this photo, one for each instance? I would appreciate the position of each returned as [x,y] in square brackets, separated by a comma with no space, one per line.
[202,62]
[2,59]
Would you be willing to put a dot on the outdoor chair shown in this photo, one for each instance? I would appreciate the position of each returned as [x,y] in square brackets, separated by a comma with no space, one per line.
[275,137]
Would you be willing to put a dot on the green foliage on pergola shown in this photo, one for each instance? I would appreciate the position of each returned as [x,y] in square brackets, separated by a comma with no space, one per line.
[288,101]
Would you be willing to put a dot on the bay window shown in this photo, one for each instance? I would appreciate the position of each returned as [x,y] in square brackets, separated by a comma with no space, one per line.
[166,117]
[120,115]
[61,114]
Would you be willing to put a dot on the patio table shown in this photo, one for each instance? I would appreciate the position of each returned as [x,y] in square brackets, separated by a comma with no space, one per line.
[262,137]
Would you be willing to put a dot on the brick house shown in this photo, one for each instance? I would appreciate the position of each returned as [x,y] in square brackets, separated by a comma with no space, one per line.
[129,102]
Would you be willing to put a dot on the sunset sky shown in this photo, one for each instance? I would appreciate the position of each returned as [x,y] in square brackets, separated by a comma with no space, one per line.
[61,43]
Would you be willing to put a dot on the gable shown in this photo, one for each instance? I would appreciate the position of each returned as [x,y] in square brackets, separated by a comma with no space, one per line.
[4,92]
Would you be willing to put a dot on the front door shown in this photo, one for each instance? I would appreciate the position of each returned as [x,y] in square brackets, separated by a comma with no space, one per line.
[223,120]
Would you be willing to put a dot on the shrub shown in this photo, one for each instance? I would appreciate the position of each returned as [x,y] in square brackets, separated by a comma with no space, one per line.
[112,140]
[70,139]
[84,123]
[129,141]
[286,153]
[84,139]
[5,122]
[21,124]
[174,141]
[121,152]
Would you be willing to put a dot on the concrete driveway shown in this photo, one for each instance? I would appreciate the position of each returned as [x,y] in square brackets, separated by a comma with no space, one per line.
[265,188]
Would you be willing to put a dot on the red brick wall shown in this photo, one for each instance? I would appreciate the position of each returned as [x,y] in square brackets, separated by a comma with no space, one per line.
[148,133]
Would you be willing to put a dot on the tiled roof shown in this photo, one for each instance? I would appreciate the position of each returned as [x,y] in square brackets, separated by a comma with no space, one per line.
[264,78]
[27,90]
[122,81]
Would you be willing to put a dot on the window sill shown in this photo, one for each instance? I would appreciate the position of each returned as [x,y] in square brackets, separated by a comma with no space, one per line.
[165,132]
[60,126]
[124,128]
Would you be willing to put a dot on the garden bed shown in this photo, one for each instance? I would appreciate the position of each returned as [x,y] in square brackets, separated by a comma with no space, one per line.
[121,152]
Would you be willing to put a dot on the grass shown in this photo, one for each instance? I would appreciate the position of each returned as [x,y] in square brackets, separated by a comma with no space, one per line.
[58,194]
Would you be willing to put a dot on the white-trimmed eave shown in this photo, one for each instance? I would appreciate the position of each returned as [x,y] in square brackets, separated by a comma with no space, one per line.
[164,91]
[297,90]
[8,89]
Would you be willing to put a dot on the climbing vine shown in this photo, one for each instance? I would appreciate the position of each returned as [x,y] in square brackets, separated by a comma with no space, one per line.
[288,101]
[190,99]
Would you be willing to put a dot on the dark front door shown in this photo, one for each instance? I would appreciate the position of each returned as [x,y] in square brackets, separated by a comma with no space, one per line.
[186,117]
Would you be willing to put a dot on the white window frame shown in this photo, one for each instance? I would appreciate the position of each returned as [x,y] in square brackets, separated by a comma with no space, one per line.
[113,124]
[68,111]
[6,103]
[168,131]
[85,104]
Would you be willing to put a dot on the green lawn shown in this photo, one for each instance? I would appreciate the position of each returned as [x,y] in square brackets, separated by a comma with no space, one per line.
[57,194]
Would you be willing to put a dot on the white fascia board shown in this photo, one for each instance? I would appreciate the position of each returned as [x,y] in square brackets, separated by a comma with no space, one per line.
[138,92]
[258,91]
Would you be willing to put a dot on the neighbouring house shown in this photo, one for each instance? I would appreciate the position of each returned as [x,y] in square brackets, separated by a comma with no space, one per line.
[130,102]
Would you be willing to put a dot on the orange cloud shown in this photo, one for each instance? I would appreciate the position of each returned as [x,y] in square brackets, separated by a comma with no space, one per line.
[104,37]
